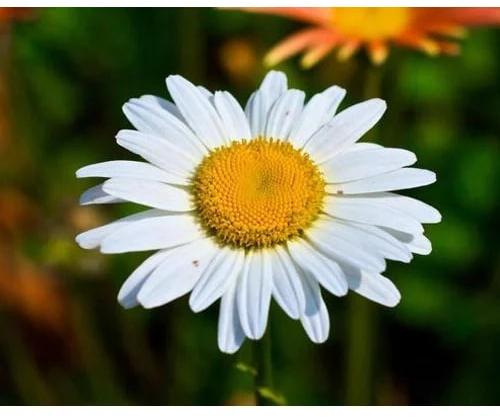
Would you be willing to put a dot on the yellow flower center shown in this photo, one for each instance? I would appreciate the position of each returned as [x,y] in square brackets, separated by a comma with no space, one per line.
[258,193]
[370,23]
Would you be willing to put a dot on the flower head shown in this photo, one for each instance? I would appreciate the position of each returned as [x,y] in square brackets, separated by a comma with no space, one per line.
[432,30]
[274,201]
[8,14]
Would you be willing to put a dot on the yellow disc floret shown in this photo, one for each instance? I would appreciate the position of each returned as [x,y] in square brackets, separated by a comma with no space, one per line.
[258,193]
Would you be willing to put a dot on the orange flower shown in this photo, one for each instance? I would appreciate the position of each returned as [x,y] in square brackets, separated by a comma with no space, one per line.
[238,59]
[8,14]
[32,292]
[432,30]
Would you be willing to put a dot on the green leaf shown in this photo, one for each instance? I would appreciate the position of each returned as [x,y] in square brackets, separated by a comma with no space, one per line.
[246,368]
[271,395]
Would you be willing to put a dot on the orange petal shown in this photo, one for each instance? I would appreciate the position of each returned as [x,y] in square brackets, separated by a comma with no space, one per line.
[347,50]
[315,54]
[451,31]
[378,52]
[422,43]
[473,16]
[293,45]
[14,13]
[450,48]
[429,46]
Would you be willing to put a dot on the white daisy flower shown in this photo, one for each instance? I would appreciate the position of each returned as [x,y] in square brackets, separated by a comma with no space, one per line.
[274,201]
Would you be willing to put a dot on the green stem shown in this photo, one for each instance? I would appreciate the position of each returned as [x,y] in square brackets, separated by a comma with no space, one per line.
[263,376]
[372,82]
[361,343]
[361,313]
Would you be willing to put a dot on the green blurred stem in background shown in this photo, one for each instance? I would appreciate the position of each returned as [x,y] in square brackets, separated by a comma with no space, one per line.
[361,313]
[361,324]
[263,367]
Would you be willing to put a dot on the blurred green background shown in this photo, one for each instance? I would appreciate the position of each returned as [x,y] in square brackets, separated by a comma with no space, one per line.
[64,75]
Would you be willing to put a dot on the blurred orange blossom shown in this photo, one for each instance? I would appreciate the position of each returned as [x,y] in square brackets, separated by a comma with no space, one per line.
[13,13]
[239,60]
[431,30]
[27,289]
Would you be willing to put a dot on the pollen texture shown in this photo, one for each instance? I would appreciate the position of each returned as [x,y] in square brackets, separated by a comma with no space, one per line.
[258,193]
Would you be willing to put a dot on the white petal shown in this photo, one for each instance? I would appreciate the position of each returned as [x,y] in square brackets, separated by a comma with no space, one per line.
[370,211]
[375,287]
[260,103]
[127,297]
[198,111]
[365,163]
[404,178]
[206,92]
[251,113]
[161,153]
[179,271]
[323,270]
[417,209]
[318,111]
[164,104]
[96,195]
[360,146]
[283,114]
[160,147]
[274,83]
[287,287]
[152,234]
[230,334]
[376,239]
[150,193]
[254,293]
[217,277]
[314,319]
[345,129]
[93,237]
[257,110]
[418,243]
[126,169]
[232,116]
[341,246]
[152,120]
